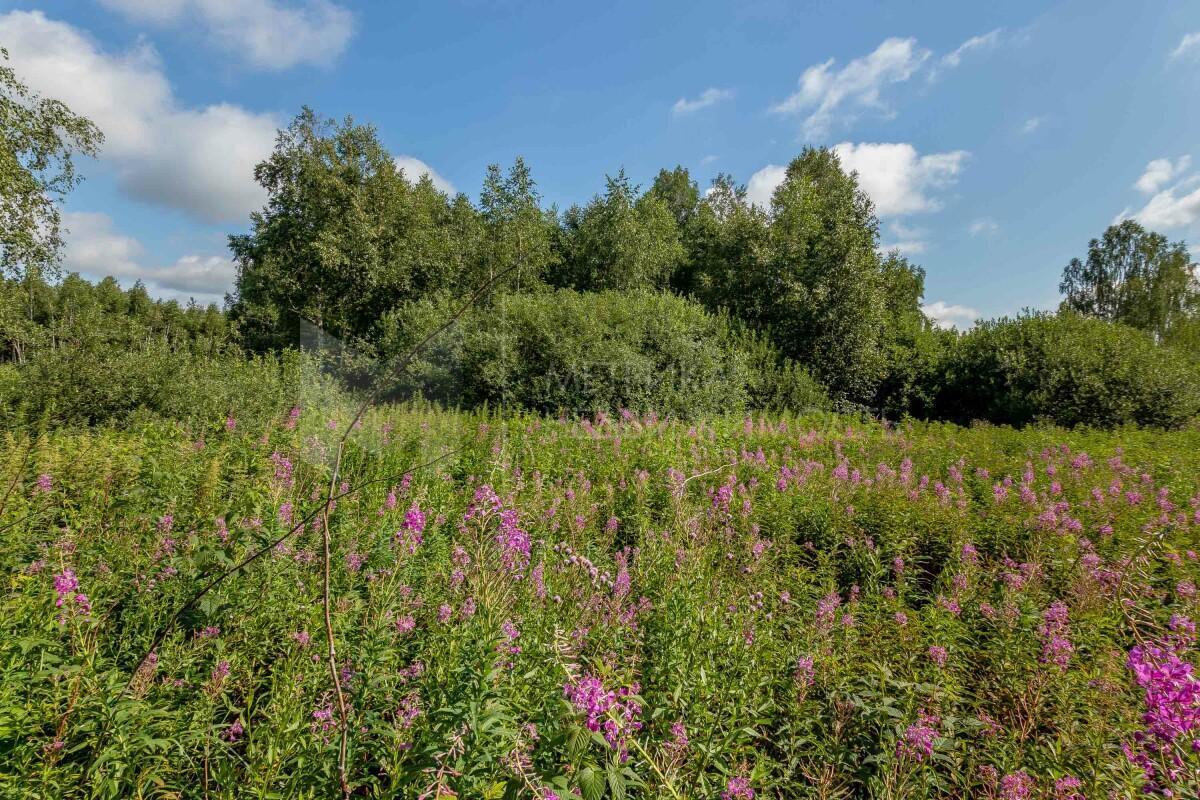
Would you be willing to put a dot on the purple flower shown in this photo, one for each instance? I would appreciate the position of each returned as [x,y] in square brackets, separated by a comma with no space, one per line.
[938,655]
[1064,788]
[917,742]
[1056,647]
[827,607]
[65,584]
[44,484]
[1016,786]
[738,788]
[234,732]
[614,714]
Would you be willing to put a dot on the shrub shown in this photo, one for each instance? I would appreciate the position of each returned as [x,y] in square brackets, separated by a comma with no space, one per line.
[80,386]
[1070,370]
[571,352]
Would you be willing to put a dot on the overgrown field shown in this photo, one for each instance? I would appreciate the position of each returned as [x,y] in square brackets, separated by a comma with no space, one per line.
[626,607]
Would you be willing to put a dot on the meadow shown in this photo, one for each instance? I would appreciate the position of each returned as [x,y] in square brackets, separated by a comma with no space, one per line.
[761,607]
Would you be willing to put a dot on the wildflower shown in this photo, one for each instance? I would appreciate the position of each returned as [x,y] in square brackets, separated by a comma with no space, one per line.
[738,788]
[44,484]
[508,646]
[405,625]
[65,585]
[1172,702]
[805,673]
[1056,647]
[1016,786]
[917,742]
[614,714]
[901,618]
[283,469]
[1064,788]
[938,655]
[234,732]
[444,613]
[826,607]
[677,746]
[322,721]
[409,710]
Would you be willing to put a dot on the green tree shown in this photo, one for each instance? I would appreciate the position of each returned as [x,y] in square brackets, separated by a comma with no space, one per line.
[728,253]
[825,293]
[1135,277]
[677,189]
[620,241]
[517,232]
[343,236]
[38,140]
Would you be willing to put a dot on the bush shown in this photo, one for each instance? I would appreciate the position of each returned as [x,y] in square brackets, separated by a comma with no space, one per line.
[576,353]
[80,386]
[1070,370]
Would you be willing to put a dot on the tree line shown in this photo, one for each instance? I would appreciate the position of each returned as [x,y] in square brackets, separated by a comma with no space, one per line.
[794,300]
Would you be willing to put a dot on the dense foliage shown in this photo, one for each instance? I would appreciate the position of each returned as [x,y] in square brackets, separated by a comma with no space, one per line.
[570,352]
[78,353]
[626,607]
[1068,369]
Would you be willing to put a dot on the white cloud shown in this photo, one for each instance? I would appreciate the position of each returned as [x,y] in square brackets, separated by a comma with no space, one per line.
[897,178]
[708,159]
[947,315]
[1172,208]
[158,12]
[763,183]
[709,97]
[1031,125]
[265,33]
[904,240]
[1160,172]
[987,41]
[414,168]
[199,160]
[984,226]
[839,93]
[1190,41]
[95,249]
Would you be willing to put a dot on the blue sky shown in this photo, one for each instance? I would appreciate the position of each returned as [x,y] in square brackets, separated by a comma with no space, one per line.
[995,138]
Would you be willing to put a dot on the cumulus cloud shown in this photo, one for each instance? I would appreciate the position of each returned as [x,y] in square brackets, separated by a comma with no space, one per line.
[1160,172]
[835,95]
[763,183]
[96,249]
[1175,207]
[709,97]
[414,168]
[265,33]
[1189,43]
[1175,197]
[984,226]
[948,315]
[898,179]
[987,41]
[904,240]
[199,160]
